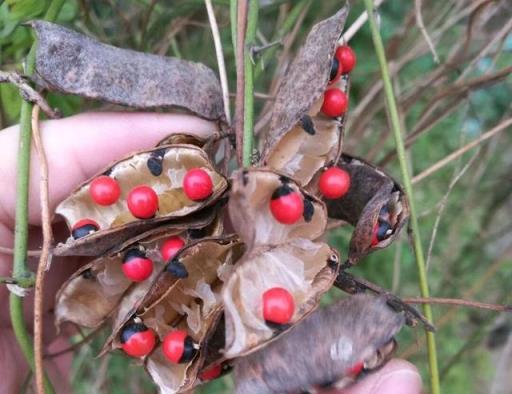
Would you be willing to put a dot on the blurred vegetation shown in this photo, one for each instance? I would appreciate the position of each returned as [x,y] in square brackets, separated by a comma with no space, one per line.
[471,256]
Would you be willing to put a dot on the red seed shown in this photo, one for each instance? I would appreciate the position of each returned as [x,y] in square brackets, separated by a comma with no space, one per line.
[138,343]
[137,269]
[171,247]
[211,373]
[334,183]
[347,58]
[335,103]
[104,190]
[178,347]
[355,369]
[142,202]
[286,205]
[197,184]
[278,305]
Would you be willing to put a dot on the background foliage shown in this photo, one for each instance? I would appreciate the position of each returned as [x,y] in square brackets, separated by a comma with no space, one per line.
[445,104]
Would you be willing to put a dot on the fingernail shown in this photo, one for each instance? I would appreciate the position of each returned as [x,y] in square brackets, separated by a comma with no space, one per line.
[402,381]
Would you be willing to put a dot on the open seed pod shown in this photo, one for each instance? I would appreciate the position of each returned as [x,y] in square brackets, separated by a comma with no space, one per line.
[73,63]
[190,303]
[330,348]
[161,171]
[250,208]
[301,269]
[92,293]
[302,139]
[375,204]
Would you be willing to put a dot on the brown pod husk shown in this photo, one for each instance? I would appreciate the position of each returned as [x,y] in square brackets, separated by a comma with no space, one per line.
[208,262]
[321,350]
[301,139]
[116,222]
[92,293]
[249,209]
[305,268]
[371,190]
[73,63]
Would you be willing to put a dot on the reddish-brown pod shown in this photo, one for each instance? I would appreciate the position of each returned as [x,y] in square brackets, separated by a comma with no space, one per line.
[104,190]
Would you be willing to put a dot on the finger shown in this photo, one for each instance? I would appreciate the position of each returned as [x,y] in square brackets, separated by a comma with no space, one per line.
[396,377]
[79,146]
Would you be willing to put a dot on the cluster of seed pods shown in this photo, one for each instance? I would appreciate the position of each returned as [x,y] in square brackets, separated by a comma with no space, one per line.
[183,296]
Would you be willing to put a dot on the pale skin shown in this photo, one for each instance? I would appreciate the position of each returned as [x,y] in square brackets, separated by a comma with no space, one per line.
[77,148]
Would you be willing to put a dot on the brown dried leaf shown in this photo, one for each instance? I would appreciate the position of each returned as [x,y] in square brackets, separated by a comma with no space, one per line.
[320,350]
[92,293]
[73,63]
[373,194]
[249,209]
[305,268]
[116,222]
[301,139]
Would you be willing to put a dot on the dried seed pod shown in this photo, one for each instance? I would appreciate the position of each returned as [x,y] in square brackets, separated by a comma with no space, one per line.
[304,268]
[92,293]
[302,139]
[331,347]
[161,171]
[375,204]
[73,63]
[251,194]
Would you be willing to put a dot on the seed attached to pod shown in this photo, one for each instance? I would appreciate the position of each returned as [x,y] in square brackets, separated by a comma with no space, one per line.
[137,339]
[177,269]
[278,305]
[136,266]
[104,190]
[211,373]
[381,231]
[83,228]
[171,247]
[197,184]
[347,58]
[142,202]
[286,205]
[179,347]
[334,183]
[356,369]
[335,103]
[336,70]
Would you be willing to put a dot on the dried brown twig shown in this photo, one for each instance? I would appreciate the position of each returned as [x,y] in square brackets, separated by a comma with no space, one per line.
[459,302]
[45,258]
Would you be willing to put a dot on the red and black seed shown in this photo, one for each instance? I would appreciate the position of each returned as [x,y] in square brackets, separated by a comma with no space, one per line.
[130,329]
[309,209]
[177,269]
[282,191]
[307,124]
[133,253]
[83,231]
[384,230]
[189,350]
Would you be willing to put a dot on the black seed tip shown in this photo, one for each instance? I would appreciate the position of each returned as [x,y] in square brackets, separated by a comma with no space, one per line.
[177,269]
[307,124]
[383,230]
[309,209]
[277,327]
[334,68]
[281,191]
[133,253]
[155,165]
[87,274]
[83,231]
[189,351]
[131,329]
[284,179]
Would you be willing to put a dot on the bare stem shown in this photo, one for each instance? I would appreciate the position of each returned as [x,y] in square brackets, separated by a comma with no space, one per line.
[459,302]
[241,23]
[21,228]
[418,249]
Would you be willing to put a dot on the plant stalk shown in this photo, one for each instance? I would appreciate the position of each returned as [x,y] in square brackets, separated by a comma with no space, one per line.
[19,269]
[418,249]
[250,36]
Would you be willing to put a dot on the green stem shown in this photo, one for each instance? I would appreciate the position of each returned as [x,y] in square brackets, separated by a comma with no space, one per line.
[288,24]
[250,36]
[418,249]
[19,270]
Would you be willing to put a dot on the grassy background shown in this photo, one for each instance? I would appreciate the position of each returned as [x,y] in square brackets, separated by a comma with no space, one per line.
[472,253]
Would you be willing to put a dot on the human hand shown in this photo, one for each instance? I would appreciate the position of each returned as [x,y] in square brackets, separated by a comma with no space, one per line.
[77,148]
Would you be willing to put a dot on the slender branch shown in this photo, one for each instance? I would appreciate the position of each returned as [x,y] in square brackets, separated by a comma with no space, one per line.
[241,23]
[250,37]
[21,227]
[423,30]
[459,152]
[44,260]
[9,251]
[418,249]
[358,23]
[28,92]
[459,302]
[220,58]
